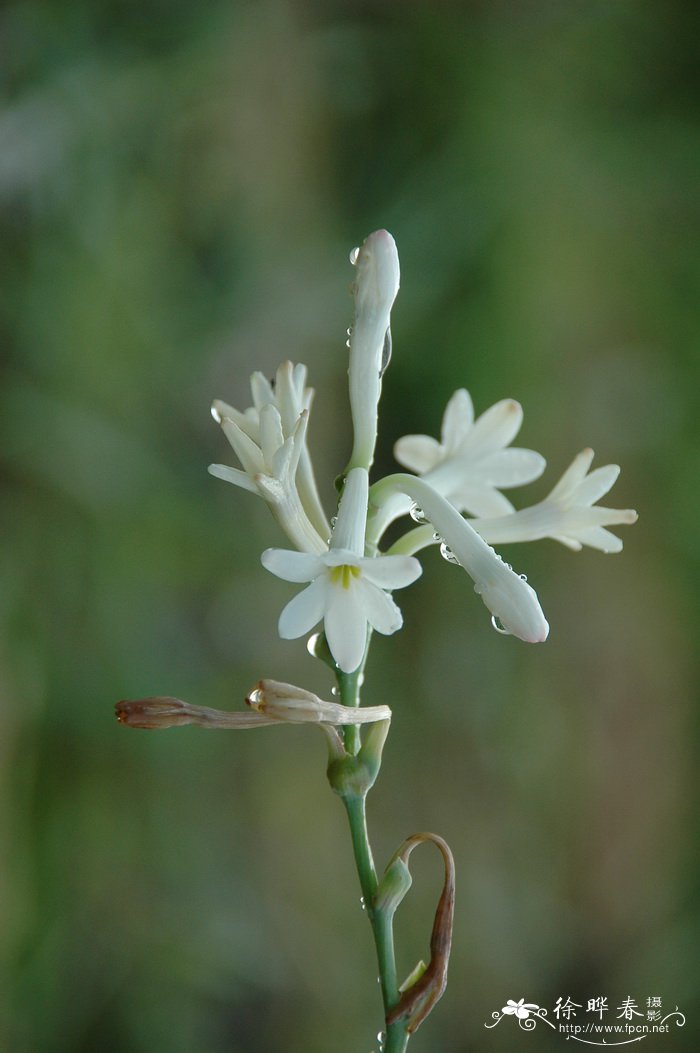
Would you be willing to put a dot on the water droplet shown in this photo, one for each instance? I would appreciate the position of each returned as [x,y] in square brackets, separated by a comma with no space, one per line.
[348,344]
[354,254]
[360,679]
[380,1038]
[417,514]
[362,902]
[437,537]
[523,577]
[499,626]
[334,520]
[508,566]
[447,553]
[216,415]
[311,644]
[256,697]
[348,331]
[334,691]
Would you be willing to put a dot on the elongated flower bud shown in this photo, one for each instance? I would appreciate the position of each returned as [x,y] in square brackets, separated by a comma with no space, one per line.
[375,287]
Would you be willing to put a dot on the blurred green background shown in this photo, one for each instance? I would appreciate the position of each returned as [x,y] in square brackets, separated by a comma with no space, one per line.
[180,185]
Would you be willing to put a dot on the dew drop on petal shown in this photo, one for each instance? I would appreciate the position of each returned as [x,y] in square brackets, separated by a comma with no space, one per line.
[447,554]
[437,537]
[216,415]
[499,626]
[348,331]
[354,254]
[523,577]
[334,520]
[256,697]
[348,343]
[417,514]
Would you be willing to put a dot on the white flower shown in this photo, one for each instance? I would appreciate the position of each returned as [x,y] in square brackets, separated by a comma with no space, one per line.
[346,590]
[471,464]
[269,440]
[375,287]
[568,514]
[507,595]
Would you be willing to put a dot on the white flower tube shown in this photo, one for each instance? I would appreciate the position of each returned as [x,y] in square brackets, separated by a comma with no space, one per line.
[506,594]
[375,287]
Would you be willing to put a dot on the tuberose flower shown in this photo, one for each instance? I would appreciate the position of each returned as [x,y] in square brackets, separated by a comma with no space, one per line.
[346,589]
[512,602]
[269,439]
[474,460]
[568,514]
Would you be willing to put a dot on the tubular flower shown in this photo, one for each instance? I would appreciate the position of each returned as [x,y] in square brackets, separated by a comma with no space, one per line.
[375,287]
[269,440]
[512,602]
[568,514]
[472,463]
[346,589]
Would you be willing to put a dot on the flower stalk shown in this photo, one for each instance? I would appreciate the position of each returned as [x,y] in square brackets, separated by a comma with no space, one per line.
[455,495]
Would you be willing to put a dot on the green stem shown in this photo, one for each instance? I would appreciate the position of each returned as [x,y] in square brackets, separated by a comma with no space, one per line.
[396,1037]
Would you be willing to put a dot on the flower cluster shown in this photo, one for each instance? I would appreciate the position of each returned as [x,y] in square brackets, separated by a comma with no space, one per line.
[453,491]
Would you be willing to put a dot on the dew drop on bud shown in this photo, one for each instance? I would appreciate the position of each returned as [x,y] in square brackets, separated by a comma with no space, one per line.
[348,343]
[499,626]
[256,697]
[354,254]
[447,554]
[417,514]
[216,415]
[437,537]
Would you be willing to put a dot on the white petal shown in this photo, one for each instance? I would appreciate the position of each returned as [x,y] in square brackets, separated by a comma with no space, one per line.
[457,419]
[391,572]
[380,610]
[292,566]
[479,500]
[572,477]
[304,611]
[271,437]
[595,485]
[247,451]
[233,475]
[261,389]
[512,467]
[418,453]
[600,538]
[345,625]
[495,428]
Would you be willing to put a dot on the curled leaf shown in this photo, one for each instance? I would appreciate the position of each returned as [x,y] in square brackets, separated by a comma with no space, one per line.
[421,994]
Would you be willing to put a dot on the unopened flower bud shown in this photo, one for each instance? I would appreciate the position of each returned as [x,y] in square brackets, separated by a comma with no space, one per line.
[393,887]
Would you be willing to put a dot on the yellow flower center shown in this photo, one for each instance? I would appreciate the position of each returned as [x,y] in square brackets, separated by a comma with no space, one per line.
[344,574]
